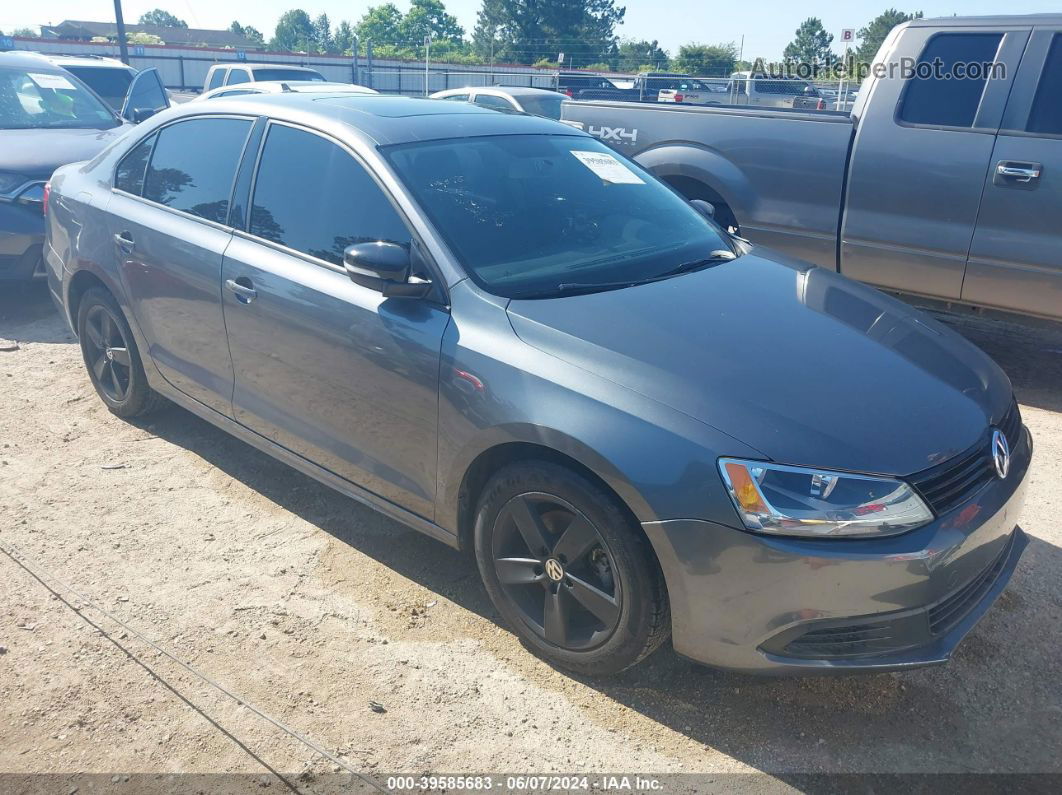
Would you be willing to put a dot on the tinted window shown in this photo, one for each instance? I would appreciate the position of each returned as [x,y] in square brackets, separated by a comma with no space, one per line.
[238,76]
[947,97]
[1046,116]
[543,104]
[495,103]
[111,84]
[130,173]
[527,214]
[286,74]
[456,98]
[215,78]
[312,196]
[193,166]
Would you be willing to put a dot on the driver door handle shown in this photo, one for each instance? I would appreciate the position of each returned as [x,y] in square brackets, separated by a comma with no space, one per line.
[1018,172]
[242,288]
[124,241]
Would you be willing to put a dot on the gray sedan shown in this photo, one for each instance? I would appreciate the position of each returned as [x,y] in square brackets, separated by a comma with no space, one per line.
[508,99]
[642,426]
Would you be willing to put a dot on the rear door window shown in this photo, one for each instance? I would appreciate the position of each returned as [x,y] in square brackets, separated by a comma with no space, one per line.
[130,173]
[1046,116]
[494,103]
[949,80]
[312,196]
[238,76]
[193,166]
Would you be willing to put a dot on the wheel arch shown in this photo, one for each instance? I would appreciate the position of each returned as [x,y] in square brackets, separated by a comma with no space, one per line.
[80,283]
[489,460]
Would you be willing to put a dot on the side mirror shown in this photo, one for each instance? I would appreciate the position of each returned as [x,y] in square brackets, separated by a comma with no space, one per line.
[143,114]
[707,209]
[384,267]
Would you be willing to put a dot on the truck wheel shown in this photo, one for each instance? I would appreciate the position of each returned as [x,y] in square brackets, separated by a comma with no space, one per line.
[569,570]
[111,357]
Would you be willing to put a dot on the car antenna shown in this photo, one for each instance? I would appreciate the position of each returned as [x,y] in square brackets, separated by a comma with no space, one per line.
[286,88]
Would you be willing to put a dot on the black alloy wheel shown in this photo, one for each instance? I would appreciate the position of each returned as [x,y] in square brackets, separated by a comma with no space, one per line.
[107,353]
[557,570]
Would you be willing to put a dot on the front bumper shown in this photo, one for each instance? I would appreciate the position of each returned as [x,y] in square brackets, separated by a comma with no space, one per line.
[763,604]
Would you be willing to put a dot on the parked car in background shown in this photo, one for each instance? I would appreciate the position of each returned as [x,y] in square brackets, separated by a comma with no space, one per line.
[493,329]
[512,99]
[765,91]
[284,87]
[108,77]
[688,91]
[935,187]
[590,86]
[48,118]
[227,74]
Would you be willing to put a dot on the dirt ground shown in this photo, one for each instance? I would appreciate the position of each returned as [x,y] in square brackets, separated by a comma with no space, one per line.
[306,607]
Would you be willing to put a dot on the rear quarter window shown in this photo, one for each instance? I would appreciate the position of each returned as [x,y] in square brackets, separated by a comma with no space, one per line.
[943,98]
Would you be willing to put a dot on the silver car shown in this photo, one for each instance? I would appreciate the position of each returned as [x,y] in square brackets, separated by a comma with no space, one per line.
[497,331]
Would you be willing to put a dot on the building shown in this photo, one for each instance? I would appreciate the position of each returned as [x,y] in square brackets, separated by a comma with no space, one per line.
[81,30]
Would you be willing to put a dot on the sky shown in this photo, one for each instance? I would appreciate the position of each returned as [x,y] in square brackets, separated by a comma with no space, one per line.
[767,25]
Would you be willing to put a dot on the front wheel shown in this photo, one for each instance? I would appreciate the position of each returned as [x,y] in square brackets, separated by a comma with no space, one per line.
[111,357]
[569,569]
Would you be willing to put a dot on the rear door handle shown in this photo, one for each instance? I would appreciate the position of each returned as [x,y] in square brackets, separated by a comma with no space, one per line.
[242,288]
[124,241]
[1024,173]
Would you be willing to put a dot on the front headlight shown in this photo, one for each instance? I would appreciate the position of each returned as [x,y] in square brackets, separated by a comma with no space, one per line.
[795,501]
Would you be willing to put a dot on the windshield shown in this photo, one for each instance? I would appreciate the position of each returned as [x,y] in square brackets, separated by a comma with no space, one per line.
[543,105]
[535,215]
[262,75]
[43,100]
[111,84]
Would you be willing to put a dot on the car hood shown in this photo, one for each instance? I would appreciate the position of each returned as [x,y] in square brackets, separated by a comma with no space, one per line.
[798,362]
[37,153]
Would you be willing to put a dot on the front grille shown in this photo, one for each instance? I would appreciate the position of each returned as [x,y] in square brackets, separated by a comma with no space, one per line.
[948,485]
[946,614]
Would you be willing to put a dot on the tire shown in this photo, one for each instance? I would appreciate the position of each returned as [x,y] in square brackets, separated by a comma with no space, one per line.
[546,535]
[112,358]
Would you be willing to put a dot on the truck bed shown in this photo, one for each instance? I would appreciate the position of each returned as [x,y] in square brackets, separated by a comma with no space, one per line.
[780,171]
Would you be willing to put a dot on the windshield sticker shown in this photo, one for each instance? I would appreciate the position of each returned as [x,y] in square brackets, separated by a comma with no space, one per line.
[608,168]
[50,81]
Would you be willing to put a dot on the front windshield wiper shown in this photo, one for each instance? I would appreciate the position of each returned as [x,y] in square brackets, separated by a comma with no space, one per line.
[570,288]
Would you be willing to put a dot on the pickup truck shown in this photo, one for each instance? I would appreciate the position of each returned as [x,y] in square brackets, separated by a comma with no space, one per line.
[931,186]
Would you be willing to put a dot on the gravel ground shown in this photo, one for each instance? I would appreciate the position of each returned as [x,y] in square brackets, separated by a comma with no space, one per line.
[308,606]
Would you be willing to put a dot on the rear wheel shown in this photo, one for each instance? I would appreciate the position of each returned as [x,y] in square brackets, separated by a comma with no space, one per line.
[111,357]
[569,569]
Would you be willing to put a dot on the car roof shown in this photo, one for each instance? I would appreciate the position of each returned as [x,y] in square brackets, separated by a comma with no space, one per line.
[23,59]
[270,66]
[294,86]
[514,91]
[1008,20]
[378,118]
[87,60]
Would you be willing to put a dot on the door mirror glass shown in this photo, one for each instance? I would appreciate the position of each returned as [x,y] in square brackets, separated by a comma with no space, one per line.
[146,97]
[385,267]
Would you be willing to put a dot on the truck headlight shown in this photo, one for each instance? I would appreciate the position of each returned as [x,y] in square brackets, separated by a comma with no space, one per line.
[796,501]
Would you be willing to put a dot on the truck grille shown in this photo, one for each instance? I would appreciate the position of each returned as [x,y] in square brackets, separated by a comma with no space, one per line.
[948,485]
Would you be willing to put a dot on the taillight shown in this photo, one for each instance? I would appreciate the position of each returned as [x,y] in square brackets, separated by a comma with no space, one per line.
[821,105]
[679,97]
[568,92]
[44,201]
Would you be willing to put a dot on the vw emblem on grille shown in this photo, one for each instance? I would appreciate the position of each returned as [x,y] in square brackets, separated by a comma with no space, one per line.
[1000,453]
[554,570]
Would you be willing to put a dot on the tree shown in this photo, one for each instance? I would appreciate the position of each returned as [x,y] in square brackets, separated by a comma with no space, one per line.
[873,35]
[295,32]
[380,25]
[344,38]
[633,55]
[322,29]
[525,31]
[26,33]
[811,47]
[706,60]
[248,32]
[429,17]
[163,19]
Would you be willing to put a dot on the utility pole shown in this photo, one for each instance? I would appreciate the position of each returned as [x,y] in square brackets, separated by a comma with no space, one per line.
[427,57]
[354,63]
[122,46]
[492,59]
